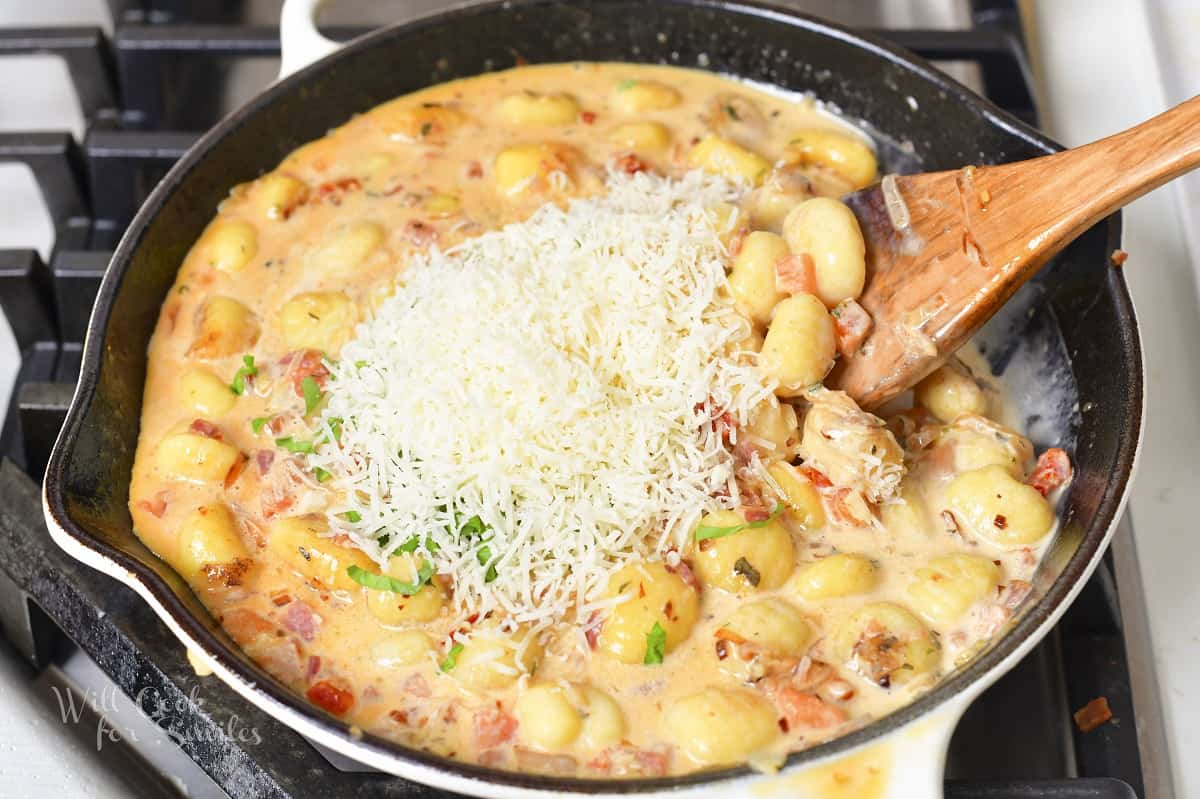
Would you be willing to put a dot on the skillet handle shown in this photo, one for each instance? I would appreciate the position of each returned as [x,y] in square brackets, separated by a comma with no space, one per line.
[907,763]
[299,42]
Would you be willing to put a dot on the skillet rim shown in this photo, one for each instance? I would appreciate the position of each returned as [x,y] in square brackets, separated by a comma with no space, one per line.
[1078,567]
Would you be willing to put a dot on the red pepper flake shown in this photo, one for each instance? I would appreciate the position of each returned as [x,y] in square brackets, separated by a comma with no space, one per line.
[156,506]
[1001,521]
[587,117]
[281,599]
[1093,714]
[630,164]
[783,725]
[1053,469]
[398,716]
[1118,258]
[329,697]
[235,471]
[474,170]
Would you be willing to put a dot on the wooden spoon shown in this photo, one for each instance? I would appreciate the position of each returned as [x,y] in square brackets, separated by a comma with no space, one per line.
[945,250]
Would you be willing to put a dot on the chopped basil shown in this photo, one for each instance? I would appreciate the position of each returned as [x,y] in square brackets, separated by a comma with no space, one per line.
[312,393]
[484,555]
[411,545]
[471,527]
[381,582]
[359,364]
[626,85]
[352,516]
[321,474]
[732,112]
[295,445]
[335,424]
[256,424]
[248,369]
[656,645]
[451,658]
[743,567]
[704,532]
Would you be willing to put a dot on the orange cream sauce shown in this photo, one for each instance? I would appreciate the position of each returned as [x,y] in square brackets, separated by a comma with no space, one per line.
[293,260]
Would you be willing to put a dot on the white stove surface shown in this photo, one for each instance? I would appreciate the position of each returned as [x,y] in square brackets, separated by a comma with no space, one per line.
[1103,65]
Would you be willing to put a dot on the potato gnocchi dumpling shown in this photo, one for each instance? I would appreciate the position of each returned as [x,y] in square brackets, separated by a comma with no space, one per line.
[994,506]
[651,595]
[720,725]
[759,557]
[886,645]
[796,567]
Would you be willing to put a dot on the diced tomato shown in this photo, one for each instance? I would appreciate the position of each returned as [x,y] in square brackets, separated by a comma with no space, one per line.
[493,727]
[333,191]
[203,427]
[235,471]
[328,696]
[816,477]
[851,324]
[1053,469]
[796,274]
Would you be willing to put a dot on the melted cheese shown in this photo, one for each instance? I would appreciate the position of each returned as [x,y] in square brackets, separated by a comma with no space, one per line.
[556,379]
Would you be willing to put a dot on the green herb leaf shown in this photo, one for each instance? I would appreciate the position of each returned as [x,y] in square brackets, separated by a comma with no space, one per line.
[248,369]
[451,658]
[296,446]
[410,545]
[321,474]
[352,516]
[733,114]
[704,532]
[472,527]
[381,582]
[656,645]
[483,556]
[312,394]
[743,567]
[256,424]
[625,85]
[335,424]
[359,364]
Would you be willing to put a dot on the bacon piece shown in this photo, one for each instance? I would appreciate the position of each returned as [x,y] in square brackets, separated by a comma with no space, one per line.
[244,626]
[310,363]
[417,686]
[330,697]
[421,234]
[625,759]
[630,164]
[851,324]
[803,709]
[301,620]
[203,427]
[493,727]
[533,760]
[1093,714]
[1053,469]
[756,514]
[592,631]
[685,573]
[263,458]
[314,666]
[796,274]
[334,190]
[156,505]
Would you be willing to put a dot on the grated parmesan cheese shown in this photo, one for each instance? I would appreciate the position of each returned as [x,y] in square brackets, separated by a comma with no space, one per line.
[557,379]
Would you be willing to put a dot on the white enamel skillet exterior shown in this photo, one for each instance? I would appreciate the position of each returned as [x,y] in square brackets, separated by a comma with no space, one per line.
[906,762]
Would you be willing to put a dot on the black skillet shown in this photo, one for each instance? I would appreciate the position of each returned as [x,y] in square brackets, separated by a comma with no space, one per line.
[1067,347]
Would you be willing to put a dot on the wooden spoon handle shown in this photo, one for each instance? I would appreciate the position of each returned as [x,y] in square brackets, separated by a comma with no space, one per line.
[1064,194]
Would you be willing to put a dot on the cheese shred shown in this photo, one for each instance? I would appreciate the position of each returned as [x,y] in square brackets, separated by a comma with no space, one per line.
[534,408]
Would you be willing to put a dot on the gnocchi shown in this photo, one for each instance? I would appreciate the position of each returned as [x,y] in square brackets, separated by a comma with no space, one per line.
[842,153]
[317,321]
[224,326]
[228,245]
[210,549]
[837,575]
[195,457]
[799,347]
[720,725]
[530,108]
[886,644]
[827,231]
[949,585]
[752,281]
[998,508]
[758,557]
[652,595]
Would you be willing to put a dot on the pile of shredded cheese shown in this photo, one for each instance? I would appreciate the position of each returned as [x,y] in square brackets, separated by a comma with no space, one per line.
[556,379]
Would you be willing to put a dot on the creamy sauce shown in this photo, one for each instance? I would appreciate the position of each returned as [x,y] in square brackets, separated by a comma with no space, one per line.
[422,171]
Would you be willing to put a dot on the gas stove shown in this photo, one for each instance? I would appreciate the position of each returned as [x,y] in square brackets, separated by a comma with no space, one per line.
[167,70]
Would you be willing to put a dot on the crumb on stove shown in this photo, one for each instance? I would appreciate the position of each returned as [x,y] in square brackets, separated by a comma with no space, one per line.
[1118,257]
[1093,714]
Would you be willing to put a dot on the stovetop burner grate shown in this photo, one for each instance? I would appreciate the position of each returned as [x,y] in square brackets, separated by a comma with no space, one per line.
[144,92]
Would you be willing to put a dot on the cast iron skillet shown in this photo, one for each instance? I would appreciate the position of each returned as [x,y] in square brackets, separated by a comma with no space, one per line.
[1067,346]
